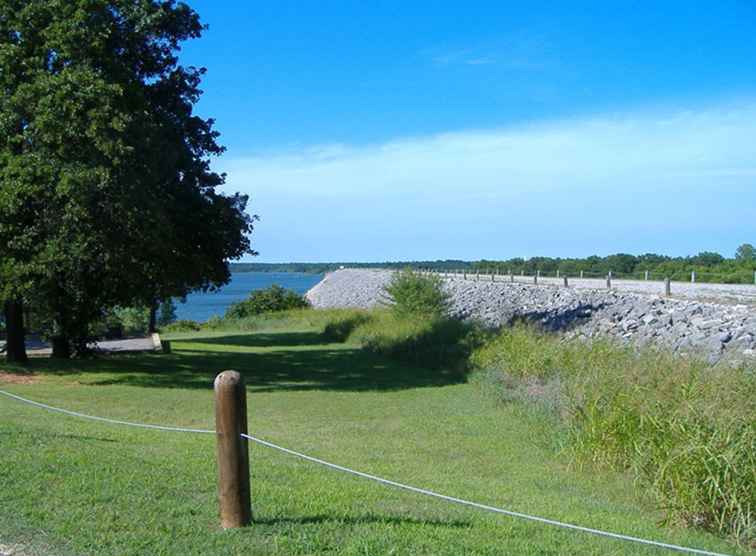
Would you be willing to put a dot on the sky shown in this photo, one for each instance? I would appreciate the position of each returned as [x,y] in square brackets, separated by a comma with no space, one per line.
[394,130]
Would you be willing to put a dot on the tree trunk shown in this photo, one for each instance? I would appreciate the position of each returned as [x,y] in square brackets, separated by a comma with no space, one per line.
[152,327]
[61,347]
[15,347]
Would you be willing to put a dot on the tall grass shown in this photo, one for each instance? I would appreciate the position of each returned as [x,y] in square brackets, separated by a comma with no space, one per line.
[426,341]
[295,319]
[686,430]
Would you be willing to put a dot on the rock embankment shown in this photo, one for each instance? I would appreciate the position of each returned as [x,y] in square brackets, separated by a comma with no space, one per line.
[718,331]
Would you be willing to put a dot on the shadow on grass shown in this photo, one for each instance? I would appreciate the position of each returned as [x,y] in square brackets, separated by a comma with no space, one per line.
[296,362]
[269,340]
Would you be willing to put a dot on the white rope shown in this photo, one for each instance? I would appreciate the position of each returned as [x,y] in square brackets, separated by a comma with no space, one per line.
[379,479]
[481,506]
[103,419]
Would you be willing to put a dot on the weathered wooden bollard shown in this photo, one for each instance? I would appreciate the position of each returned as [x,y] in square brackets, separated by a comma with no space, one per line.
[609,281]
[233,455]
[565,281]
[667,287]
[646,276]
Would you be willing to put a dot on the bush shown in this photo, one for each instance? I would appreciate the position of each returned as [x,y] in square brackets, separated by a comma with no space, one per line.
[121,321]
[416,295]
[685,429]
[272,299]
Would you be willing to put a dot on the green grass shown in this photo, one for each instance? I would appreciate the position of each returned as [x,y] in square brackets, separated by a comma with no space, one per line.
[685,429]
[83,487]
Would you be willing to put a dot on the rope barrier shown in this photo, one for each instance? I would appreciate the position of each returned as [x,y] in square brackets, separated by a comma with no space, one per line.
[381,480]
[478,505]
[103,419]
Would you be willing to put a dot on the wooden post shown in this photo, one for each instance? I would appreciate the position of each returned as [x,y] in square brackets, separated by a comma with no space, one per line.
[566,285]
[557,273]
[646,278]
[667,287]
[581,274]
[693,277]
[535,278]
[609,281]
[511,277]
[233,454]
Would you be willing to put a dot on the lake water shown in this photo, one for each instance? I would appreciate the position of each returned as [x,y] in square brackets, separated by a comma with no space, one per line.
[202,306]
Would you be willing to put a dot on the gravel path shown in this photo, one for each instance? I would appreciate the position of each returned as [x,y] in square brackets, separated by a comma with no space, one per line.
[35,347]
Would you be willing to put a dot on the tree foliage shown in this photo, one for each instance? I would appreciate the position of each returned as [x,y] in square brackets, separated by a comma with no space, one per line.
[106,192]
[746,253]
[416,295]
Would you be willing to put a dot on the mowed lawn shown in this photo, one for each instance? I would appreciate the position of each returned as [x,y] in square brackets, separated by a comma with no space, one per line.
[71,486]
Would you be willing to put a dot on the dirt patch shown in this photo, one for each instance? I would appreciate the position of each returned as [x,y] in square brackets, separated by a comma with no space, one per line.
[13,550]
[13,378]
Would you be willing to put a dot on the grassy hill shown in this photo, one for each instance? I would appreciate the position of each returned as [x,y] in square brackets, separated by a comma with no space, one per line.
[74,486]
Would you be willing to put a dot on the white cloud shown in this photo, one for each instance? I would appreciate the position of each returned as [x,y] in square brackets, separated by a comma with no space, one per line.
[517,172]
[593,152]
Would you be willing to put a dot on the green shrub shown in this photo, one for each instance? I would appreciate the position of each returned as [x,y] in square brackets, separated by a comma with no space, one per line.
[416,295]
[182,326]
[685,429]
[272,299]
[121,321]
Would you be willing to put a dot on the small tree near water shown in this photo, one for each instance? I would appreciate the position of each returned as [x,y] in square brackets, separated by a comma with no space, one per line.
[417,295]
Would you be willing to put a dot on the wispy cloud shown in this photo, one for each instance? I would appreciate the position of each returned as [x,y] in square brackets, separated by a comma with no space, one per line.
[520,51]
[610,173]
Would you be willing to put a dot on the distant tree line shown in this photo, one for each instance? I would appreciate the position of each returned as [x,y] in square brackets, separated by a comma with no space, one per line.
[709,266]
[320,268]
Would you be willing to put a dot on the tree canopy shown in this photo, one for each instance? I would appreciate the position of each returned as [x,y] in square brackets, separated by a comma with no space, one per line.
[107,196]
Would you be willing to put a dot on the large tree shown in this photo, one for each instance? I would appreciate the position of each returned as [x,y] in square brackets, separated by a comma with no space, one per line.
[106,192]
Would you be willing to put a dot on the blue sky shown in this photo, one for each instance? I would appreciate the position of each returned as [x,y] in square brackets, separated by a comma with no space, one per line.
[420,130]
